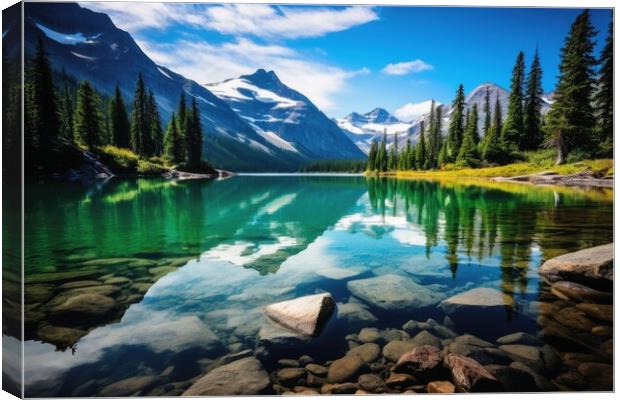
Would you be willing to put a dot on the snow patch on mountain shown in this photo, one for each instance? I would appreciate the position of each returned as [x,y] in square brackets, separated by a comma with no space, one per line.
[67,38]
[243,90]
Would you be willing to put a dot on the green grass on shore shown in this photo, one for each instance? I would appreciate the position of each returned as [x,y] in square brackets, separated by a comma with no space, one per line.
[600,167]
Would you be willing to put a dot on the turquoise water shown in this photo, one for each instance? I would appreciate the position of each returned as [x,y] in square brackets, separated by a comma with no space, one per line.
[198,260]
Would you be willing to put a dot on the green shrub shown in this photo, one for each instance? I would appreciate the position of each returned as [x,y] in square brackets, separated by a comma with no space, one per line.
[117,159]
[149,168]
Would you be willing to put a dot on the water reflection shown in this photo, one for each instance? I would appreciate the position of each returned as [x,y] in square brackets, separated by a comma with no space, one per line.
[189,265]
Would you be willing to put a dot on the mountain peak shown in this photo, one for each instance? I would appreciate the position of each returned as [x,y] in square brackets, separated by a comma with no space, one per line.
[262,77]
[380,115]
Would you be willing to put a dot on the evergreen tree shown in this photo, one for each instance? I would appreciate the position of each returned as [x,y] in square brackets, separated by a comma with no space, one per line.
[182,117]
[382,155]
[393,156]
[493,147]
[119,120]
[513,131]
[571,120]
[372,156]
[604,98]
[532,136]
[421,149]
[487,112]
[468,154]
[442,157]
[456,128]
[173,143]
[66,115]
[140,130]
[431,159]
[88,121]
[406,156]
[155,138]
[193,136]
[437,138]
[42,105]
[411,157]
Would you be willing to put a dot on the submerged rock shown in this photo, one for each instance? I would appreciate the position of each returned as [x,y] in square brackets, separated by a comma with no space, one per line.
[393,351]
[477,298]
[305,315]
[368,351]
[519,338]
[469,376]
[242,377]
[127,387]
[602,312]
[369,335]
[393,292]
[595,263]
[566,290]
[440,387]
[422,362]
[354,313]
[62,337]
[345,369]
[84,305]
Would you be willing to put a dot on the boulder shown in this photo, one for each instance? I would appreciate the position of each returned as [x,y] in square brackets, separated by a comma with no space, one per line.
[60,336]
[519,338]
[371,383]
[345,369]
[305,315]
[528,355]
[469,376]
[599,375]
[595,263]
[290,376]
[369,335]
[574,318]
[472,341]
[272,335]
[354,313]
[393,292]
[423,362]
[425,338]
[368,351]
[242,377]
[466,350]
[84,305]
[440,387]
[316,369]
[477,298]
[394,350]
[601,312]
[567,290]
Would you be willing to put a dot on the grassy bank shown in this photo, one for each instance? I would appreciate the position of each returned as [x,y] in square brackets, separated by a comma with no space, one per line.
[601,168]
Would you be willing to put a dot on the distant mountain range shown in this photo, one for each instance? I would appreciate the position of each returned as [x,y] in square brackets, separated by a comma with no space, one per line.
[363,128]
[251,123]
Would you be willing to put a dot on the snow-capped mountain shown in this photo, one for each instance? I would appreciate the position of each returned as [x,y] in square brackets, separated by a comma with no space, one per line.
[88,46]
[363,128]
[285,117]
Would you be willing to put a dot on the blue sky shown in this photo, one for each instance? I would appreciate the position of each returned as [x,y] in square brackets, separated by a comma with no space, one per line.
[352,58]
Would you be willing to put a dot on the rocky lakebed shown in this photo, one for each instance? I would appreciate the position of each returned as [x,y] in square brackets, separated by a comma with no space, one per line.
[571,351]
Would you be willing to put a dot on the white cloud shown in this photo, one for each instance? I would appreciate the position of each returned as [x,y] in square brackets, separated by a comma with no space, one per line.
[207,63]
[259,20]
[412,111]
[287,22]
[407,67]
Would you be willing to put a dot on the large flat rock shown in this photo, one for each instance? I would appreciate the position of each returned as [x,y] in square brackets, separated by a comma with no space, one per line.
[596,263]
[305,315]
[242,377]
[479,298]
[393,292]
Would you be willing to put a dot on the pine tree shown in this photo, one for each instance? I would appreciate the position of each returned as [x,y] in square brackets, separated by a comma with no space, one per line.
[406,156]
[421,149]
[513,131]
[493,148]
[193,136]
[42,105]
[140,122]
[604,98]
[372,156]
[119,120]
[456,128]
[156,135]
[487,112]
[533,136]
[88,121]
[66,115]
[393,156]
[173,143]
[468,154]
[571,120]
[383,162]
[437,138]
[431,159]
[442,157]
